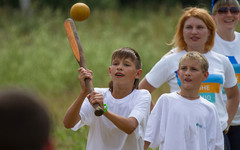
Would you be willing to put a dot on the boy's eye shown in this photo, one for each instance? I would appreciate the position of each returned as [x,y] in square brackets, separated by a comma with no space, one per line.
[115,63]
[183,68]
[194,69]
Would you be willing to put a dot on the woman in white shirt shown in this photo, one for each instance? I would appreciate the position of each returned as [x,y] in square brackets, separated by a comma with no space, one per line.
[227,42]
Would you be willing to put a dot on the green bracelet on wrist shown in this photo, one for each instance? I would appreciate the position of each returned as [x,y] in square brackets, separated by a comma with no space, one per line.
[105,108]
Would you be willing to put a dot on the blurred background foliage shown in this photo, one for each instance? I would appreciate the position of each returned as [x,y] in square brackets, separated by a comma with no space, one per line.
[103,4]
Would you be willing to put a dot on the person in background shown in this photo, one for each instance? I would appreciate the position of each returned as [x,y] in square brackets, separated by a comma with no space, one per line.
[227,42]
[25,121]
[183,120]
[196,32]
[126,108]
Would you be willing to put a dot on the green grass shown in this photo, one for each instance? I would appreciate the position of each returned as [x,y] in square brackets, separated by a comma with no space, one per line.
[35,54]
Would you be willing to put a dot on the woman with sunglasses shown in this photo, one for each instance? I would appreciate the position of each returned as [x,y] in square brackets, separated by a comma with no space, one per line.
[196,32]
[227,42]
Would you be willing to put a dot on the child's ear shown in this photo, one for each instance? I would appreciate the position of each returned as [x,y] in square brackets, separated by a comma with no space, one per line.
[139,74]
[178,72]
[205,76]
[109,71]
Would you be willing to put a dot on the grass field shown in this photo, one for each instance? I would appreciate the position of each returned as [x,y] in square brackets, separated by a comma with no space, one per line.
[35,54]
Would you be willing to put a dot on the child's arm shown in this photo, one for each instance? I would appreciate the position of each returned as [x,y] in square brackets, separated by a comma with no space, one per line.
[127,125]
[72,116]
[146,145]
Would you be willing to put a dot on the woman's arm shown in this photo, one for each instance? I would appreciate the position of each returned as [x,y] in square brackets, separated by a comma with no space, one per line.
[232,102]
[145,85]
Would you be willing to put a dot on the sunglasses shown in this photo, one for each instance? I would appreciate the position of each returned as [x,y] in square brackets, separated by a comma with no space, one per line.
[224,10]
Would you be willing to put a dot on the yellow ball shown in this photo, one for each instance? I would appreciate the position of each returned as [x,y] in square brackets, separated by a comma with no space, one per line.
[79,11]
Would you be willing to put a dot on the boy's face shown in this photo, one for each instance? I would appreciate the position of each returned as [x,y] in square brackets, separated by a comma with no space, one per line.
[123,71]
[191,75]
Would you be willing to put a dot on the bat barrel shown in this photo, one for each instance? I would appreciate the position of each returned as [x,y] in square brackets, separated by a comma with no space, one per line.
[79,55]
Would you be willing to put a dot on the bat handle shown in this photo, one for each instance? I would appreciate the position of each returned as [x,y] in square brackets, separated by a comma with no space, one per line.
[98,109]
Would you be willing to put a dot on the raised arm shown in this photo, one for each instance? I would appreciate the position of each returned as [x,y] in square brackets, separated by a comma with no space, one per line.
[72,116]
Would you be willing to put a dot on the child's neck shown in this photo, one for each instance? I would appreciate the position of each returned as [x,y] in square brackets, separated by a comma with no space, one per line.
[189,95]
[119,93]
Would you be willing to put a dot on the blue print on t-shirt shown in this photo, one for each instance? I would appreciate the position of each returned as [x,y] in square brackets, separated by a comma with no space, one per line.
[236,68]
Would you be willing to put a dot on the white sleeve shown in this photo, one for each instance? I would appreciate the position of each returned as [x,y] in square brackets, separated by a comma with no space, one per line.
[141,111]
[161,68]
[215,137]
[86,113]
[230,78]
[152,134]
[142,106]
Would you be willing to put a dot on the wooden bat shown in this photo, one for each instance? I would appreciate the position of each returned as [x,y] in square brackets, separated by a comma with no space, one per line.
[76,46]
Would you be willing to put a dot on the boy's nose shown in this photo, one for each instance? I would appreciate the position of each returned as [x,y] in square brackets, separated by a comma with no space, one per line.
[119,67]
[188,72]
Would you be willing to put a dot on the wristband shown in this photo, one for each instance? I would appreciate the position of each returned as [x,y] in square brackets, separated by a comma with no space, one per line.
[105,108]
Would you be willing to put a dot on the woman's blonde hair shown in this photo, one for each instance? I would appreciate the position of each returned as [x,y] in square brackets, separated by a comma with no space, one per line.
[200,13]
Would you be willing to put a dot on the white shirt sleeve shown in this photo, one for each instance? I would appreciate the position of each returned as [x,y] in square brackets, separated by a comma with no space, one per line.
[86,113]
[159,73]
[154,125]
[214,130]
[141,111]
[142,106]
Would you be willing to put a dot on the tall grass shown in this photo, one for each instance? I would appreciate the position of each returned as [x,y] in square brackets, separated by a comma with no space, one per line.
[35,54]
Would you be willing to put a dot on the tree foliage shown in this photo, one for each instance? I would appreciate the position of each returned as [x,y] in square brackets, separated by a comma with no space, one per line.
[103,4]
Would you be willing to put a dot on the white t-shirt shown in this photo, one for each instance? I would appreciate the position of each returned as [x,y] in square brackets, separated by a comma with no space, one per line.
[177,123]
[231,49]
[221,74]
[103,134]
